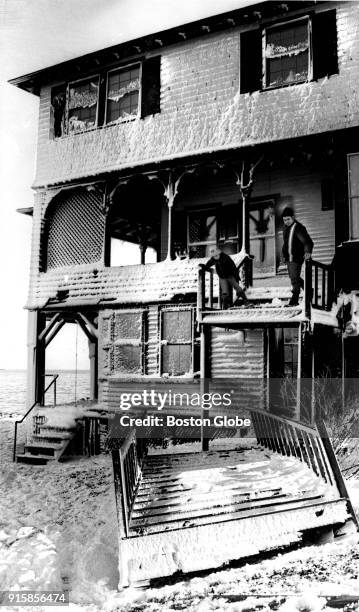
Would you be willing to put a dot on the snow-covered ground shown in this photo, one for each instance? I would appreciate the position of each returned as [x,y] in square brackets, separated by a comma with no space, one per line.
[58,530]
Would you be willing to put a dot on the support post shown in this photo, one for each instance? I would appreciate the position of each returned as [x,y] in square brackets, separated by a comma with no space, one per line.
[93,369]
[204,381]
[313,415]
[170,194]
[343,371]
[299,371]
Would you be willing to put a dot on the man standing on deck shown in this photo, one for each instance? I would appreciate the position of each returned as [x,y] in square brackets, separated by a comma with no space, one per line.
[228,276]
[297,247]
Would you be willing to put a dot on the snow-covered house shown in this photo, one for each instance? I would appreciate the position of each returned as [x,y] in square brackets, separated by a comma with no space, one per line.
[176,141]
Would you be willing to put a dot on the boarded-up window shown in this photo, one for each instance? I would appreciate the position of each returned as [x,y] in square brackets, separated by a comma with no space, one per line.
[128,343]
[74,230]
[176,341]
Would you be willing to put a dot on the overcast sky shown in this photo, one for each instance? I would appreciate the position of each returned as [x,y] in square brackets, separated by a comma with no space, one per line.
[35,34]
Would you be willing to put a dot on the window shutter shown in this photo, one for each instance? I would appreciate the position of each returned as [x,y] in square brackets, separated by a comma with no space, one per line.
[324,41]
[251,61]
[151,86]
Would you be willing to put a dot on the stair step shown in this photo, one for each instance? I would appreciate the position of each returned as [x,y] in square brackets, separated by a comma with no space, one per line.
[49,430]
[53,436]
[43,449]
[34,459]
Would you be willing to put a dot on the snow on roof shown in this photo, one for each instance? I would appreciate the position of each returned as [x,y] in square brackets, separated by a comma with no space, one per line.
[137,284]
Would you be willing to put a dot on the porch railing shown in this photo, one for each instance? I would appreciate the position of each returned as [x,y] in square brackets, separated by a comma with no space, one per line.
[205,289]
[318,285]
[310,444]
[129,458]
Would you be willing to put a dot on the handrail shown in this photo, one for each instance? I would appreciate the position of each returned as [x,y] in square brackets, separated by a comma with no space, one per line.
[132,453]
[53,382]
[246,265]
[55,377]
[309,444]
[318,286]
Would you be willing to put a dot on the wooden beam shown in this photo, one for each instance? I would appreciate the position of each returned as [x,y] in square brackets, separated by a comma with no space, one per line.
[92,328]
[49,327]
[54,332]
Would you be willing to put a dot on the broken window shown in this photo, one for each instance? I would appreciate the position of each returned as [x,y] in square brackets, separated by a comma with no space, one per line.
[353,177]
[82,102]
[123,93]
[176,342]
[128,343]
[289,53]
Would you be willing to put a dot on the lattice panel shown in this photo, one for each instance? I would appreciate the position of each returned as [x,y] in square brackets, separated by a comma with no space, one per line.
[76,230]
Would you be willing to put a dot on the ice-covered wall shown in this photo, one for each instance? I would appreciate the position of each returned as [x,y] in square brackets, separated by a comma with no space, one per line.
[203,111]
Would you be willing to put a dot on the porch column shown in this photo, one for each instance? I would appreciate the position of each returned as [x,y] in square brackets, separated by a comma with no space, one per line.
[93,369]
[170,194]
[35,358]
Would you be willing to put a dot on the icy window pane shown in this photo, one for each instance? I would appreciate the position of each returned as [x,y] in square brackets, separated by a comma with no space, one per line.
[82,105]
[177,326]
[176,359]
[127,359]
[123,93]
[128,325]
[287,54]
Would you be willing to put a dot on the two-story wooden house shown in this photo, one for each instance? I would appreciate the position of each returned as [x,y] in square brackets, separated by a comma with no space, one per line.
[177,141]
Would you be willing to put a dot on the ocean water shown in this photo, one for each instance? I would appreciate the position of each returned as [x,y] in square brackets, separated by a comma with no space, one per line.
[13,389]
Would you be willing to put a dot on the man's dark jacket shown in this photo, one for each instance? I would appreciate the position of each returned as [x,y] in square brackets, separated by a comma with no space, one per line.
[225,266]
[301,243]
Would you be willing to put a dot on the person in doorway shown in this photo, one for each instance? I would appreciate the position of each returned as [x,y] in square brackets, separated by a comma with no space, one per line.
[228,277]
[297,247]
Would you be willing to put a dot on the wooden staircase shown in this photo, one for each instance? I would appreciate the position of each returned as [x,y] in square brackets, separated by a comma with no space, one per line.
[49,444]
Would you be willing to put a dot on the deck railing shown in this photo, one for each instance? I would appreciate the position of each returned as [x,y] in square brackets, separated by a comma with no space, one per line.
[318,285]
[310,444]
[131,455]
[205,290]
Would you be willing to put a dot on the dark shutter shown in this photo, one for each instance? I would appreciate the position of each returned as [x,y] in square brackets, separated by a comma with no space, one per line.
[324,42]
[151,86]
[251,61]
[58,103]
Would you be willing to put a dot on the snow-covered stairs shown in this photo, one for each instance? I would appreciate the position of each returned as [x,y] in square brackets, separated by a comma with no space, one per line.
[54,428]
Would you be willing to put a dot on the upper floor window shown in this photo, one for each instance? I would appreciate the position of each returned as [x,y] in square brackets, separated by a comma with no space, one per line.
[288,53]
[120,94]
[123,93]
[82,100]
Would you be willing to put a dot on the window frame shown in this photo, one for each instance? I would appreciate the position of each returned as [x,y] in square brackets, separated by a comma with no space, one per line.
[142,342]
[350,198]
[279,25]
[211,211]
[88,78]
[191,342]
[139,103]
